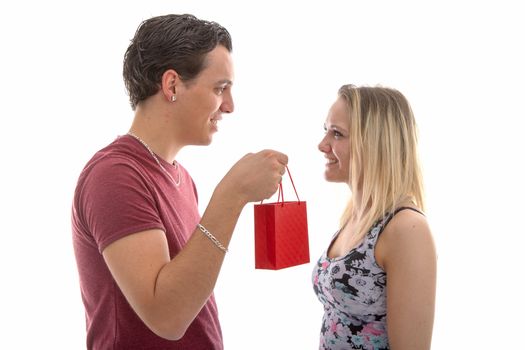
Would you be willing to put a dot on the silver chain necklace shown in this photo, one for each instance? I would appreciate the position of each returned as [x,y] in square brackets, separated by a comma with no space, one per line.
[177,183]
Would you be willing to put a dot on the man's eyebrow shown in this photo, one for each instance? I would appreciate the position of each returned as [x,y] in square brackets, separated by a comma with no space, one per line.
[225,81]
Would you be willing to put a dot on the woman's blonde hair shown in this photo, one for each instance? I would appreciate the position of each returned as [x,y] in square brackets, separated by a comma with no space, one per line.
[384,164]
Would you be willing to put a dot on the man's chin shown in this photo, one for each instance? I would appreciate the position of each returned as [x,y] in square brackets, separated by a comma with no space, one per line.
[205,142]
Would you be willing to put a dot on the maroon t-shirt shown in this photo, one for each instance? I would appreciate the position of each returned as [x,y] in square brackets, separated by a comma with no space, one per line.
[122,190]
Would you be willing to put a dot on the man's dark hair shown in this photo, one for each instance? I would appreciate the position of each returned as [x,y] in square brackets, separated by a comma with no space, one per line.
[178,42]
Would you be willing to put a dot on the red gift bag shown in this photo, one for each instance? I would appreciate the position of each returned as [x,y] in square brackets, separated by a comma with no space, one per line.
[281,233]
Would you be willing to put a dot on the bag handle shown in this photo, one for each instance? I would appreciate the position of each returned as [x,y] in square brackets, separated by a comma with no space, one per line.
[280,195]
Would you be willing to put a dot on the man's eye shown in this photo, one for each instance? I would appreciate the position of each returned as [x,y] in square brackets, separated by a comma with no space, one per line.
[220,90]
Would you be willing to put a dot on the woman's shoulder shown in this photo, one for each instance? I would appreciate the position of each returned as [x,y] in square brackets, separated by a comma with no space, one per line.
[406,220]
[406,236]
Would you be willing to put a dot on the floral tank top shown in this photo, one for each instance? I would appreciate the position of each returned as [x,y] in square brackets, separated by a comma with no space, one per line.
[352,289]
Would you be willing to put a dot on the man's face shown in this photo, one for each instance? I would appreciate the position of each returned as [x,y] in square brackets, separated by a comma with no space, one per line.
[202,101]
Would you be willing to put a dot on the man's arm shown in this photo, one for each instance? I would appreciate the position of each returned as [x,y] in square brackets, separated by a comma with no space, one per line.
[168,294]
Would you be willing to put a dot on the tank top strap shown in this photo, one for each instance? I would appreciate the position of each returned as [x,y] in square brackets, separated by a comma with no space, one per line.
[389,216]
[409,208]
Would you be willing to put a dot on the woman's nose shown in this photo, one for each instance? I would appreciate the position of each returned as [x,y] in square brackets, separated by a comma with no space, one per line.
[324,146]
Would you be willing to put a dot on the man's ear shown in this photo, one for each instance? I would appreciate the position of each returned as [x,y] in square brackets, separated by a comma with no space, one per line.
[170,80]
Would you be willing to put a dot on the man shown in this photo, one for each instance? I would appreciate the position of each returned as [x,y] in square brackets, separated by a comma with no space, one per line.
[147,261]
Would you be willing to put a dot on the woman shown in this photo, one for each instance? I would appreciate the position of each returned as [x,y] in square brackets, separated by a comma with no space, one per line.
[377,279]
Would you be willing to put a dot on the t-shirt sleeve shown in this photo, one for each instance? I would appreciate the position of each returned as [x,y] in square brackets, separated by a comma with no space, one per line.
[117,201]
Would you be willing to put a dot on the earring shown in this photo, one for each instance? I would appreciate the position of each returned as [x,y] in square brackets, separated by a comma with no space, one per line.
[173,98]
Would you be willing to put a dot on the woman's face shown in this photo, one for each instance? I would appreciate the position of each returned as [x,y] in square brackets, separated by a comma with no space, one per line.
[336,143]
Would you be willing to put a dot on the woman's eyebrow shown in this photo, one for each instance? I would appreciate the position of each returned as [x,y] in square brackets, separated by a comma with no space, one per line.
[337,128]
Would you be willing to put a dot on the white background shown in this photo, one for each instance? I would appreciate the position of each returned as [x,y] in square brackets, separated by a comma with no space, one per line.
[461,65]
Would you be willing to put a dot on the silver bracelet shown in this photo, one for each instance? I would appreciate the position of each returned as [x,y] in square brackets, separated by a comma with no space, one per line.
[212,238]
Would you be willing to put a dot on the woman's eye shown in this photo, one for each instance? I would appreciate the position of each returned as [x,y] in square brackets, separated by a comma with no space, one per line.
[337,134]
